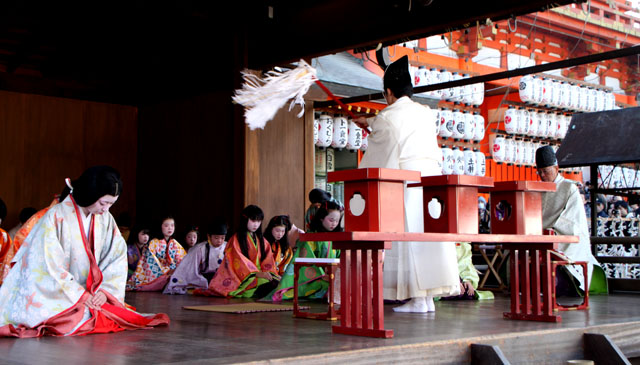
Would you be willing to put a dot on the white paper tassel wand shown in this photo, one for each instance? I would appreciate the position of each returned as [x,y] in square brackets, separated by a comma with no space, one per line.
[262,98]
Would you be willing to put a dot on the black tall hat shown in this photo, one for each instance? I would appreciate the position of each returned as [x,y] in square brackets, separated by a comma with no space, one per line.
[545,157]
[397,74]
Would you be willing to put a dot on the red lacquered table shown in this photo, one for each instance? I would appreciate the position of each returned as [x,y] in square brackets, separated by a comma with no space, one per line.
[362,302]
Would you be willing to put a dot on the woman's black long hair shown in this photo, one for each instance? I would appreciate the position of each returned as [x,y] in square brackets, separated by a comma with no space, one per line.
[94,183]
[254,213]
[323,211]
[278,220]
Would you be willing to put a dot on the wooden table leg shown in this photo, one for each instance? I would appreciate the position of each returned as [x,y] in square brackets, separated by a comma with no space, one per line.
[529,269]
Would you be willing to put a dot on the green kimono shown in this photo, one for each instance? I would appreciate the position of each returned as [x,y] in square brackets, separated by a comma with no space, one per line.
[310,282]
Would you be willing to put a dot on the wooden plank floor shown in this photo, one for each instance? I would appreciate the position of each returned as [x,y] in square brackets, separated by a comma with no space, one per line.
[441,337]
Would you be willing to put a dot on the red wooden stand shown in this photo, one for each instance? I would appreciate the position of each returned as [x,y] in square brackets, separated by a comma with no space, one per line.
[383,193]
[458,197]
[525,201]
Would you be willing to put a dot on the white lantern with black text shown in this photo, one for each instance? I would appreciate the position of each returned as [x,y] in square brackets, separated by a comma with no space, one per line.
[340,131]
[325,130]
[479,130]
[458,161]
[458,124]
[481,163]
[469,162]
[469,126]
[447,160]
[446,123]
[354,141]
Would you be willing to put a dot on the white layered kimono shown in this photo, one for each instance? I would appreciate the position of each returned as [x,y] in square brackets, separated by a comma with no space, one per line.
[190,272]
[58,268]
[563,211]
[403,136]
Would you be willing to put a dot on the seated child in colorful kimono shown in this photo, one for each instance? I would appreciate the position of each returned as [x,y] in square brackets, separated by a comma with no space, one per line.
[248,268]
[317,197]
[312,282]
[282,235]
[137,245]
[201,263]
[191,238]
[159,261]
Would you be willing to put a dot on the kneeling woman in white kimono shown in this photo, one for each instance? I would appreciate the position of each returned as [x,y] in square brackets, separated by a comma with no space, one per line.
[69,275]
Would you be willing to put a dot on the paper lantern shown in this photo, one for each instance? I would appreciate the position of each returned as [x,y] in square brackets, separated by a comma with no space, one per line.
[340,131]
[434,78]
[325,131]
[458,124]
[469,126]
[467,92]
[315,131]
[498,150]
[547,91]
[445,76]
[526,89]
[458,161]
[523,121]
[535,122]
[481,163]
[469,162]
[511,120]
[446,123]
[537,90]
[365,140]
[478,94]
[447,160]
[508,149]
[354,140]
[478,135]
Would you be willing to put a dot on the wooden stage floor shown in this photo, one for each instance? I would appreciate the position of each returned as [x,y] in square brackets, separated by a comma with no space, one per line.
[196,337]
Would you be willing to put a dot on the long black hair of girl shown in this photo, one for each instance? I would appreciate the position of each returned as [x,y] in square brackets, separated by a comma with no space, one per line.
[277,221]
[324,210]
[254,213]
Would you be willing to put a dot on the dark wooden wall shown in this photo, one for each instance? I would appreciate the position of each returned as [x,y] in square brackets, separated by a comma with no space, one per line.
[194,160]
[186,163]
[45,139]
[279,165]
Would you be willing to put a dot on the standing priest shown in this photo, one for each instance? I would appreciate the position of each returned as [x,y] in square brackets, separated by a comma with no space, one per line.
[404,136]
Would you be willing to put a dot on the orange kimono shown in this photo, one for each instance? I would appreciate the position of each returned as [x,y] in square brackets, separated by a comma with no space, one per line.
[236,276]
[283,259]
[5,246]
[5,259]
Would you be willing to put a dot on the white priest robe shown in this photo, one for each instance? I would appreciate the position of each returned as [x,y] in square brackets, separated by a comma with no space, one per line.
[563,212]
[403,136]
